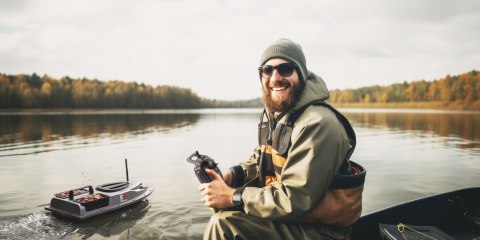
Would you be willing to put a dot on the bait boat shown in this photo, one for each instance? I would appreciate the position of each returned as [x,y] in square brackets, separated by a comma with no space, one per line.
[88,201]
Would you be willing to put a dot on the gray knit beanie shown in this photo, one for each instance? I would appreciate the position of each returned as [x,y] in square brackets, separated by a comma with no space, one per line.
[288,50]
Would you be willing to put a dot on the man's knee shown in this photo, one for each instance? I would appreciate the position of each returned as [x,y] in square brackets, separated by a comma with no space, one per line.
[220,226]
[221,217]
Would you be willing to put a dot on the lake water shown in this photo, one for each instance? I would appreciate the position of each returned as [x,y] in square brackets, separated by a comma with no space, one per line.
[408,154]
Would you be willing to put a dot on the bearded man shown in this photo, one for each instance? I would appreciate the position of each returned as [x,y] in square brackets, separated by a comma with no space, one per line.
[285,189]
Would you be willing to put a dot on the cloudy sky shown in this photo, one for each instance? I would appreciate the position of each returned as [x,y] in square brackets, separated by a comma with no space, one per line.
[214,46]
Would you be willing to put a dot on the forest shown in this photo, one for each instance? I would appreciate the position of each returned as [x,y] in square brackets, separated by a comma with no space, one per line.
[451,92]
[33,91]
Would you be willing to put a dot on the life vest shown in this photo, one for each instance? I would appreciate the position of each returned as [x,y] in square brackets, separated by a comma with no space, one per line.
[342,203]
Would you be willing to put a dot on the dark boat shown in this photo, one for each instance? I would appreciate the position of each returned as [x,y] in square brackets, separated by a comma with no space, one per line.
[88,201]
[452,215]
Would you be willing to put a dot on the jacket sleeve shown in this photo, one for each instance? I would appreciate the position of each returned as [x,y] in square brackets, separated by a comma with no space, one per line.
[246,171]
[318,148]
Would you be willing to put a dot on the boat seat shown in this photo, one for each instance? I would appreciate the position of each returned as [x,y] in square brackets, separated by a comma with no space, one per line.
[112,187]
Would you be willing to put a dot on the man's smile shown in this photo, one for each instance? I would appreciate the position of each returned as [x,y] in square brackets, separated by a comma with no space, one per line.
[279,87]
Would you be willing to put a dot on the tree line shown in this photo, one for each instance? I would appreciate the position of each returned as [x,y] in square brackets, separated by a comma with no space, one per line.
[463,89]
[33,91]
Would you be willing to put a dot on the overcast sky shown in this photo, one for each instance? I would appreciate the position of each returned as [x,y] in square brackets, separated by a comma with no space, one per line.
[214,46]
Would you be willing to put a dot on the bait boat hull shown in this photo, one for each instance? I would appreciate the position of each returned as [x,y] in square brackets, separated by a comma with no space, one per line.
[86,202]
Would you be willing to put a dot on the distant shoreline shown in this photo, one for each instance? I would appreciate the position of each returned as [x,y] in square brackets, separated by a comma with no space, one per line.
[417,106]
[474,106]
[122,111]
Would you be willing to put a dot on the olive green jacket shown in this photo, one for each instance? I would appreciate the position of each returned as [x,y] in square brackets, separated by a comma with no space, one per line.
[318,147]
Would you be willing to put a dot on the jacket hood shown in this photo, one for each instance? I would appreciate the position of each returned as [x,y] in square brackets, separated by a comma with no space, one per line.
[315,89]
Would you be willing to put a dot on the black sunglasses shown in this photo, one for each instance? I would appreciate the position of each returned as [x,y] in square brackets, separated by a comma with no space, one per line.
[284,69]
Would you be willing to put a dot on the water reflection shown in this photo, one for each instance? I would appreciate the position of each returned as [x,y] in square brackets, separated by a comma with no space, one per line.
[103,225]
[463,125]
[34,133]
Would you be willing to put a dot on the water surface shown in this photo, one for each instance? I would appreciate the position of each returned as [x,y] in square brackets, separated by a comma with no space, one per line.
[407,153]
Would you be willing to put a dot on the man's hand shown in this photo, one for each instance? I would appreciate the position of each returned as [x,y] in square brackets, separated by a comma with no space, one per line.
[216,194]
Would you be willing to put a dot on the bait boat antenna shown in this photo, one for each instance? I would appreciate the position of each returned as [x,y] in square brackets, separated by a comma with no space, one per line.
[126,168]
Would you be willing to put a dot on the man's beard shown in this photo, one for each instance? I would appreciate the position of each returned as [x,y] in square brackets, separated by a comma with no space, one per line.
[285,103]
